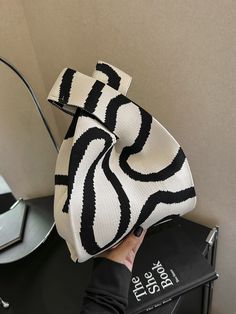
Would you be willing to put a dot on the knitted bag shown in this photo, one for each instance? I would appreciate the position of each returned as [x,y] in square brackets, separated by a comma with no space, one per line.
[117,167]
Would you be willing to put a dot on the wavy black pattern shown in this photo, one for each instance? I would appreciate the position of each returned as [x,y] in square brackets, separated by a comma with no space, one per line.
[61,179]
[89,197]
[93,96]
[89,207]
[71,130]
[144,131]
[161,175]
[79,149]
[77,152]
[146,122]
[65,86]
[113,77]
[122,196]
[167,172]
[112,109]
[165,197]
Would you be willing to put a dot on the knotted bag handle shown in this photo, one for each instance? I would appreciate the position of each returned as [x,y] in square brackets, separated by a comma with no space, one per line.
[73,89]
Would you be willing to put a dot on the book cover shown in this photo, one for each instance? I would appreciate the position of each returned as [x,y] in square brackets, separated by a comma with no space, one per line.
[12,224]
[166,266]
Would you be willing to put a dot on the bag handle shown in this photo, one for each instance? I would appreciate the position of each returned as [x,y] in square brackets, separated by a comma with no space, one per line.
[73,89]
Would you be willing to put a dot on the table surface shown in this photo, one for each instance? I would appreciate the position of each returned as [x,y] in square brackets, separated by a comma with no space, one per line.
[39,224]
[47,281]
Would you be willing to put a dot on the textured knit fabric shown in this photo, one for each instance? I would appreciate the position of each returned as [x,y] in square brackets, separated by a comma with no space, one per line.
[107,292]
[117,167]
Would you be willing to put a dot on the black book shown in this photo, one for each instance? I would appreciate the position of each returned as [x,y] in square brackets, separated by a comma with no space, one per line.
[166,266]
[12,224]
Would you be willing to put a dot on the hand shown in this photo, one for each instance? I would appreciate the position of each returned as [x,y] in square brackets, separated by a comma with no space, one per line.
[125,251]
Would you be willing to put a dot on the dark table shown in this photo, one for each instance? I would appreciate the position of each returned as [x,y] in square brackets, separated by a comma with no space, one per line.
[48,281]
[39,223]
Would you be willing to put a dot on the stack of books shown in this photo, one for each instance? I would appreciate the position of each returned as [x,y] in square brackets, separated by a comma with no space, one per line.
[171,262]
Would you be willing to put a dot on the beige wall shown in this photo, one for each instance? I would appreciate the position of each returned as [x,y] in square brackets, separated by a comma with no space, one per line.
[181,55]
[27,156]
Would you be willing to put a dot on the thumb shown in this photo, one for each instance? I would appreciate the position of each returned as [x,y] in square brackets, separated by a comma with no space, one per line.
[131,243]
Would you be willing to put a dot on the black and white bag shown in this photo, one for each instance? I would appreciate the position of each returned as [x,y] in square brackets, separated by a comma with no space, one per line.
[117,167]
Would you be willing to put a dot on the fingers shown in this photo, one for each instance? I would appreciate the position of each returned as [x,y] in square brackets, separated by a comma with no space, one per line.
[130,243]
[136,241]
[135,248]
[128,246]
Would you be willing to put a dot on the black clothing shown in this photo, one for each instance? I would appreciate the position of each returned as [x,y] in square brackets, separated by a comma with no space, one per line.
[108,288]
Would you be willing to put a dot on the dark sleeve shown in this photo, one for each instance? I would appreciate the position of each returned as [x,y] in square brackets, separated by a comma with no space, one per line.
[107,291]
